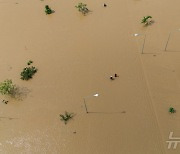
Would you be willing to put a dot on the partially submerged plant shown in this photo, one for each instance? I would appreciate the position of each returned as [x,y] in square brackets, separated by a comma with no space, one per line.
[7,87]
[146,20]
[172,110]
[29,62]
[66,117]
[82,8]
[28,72]
[48,10]
[4,101]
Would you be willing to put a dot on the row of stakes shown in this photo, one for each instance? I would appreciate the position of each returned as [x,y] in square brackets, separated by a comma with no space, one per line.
[96,94]
[167,42]
[171,109]
[49,11]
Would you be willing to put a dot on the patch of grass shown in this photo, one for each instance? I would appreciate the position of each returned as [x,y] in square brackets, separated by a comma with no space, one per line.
[66,117]
[29,62]
[146,20]
[28,72]
[48,10]
[82,8]
[7,87]
[172,110]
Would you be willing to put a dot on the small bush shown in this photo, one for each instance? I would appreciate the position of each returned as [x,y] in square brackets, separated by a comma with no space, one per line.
[48,10]
[66,117]
[82,8]
[7,87]
[28,72]
[29,62]
[172,110]
[146,20]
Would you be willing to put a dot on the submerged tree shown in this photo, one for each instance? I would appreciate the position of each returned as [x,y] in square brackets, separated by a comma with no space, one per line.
[82,8]
[66,117]
[172,110]
[28,72]
[48,10]
[146,20]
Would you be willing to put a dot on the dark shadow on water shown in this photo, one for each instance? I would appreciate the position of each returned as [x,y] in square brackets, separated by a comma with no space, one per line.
[20,93]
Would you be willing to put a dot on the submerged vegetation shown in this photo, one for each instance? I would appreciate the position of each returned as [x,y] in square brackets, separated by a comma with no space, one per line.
[7,87]
[4,101]
[146,20]
[29,62]
[28,72]
[66,117]
[172,110]
[82,8]
[48,10]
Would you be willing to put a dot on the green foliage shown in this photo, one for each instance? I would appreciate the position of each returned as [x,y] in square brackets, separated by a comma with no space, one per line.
[146,20]
[28,72]
[48,10]
[82,8]
[7,87]
[172,110]
[29,62]
[66,117]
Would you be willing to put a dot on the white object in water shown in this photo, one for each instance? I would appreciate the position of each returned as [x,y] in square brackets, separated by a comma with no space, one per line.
[96,95]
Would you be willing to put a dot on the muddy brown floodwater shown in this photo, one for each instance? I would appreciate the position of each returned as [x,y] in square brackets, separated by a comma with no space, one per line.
[75,56]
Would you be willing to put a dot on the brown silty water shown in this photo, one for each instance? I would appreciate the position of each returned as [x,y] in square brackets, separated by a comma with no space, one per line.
[75,56]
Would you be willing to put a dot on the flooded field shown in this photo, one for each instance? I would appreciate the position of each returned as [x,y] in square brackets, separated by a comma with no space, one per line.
[75,56]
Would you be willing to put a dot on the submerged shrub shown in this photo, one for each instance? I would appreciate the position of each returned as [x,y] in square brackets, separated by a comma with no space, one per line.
[29,62]
[82,8]
[172,110]
[48,10]
[28,72]
[146,20]
[66,117]
[7,87]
